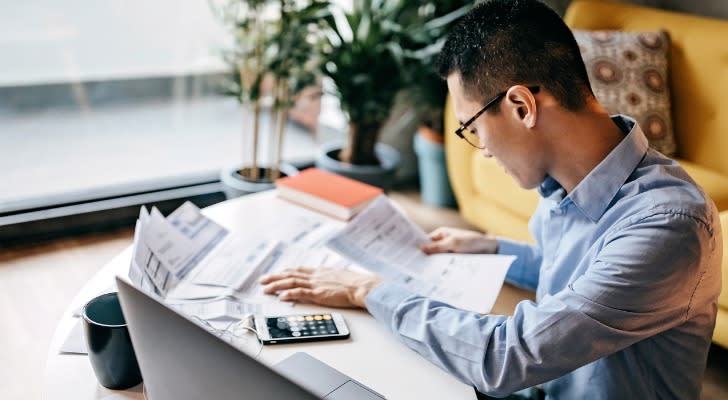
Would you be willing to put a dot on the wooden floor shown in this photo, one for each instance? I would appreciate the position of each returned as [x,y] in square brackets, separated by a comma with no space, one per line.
[36,285]
[38,281]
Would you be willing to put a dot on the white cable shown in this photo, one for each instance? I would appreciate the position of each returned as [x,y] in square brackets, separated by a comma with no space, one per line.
[231,332]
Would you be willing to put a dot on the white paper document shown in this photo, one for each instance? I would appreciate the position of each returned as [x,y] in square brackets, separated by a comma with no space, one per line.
[232,262]
[199,266]
[206,271]
[385,242]
[181,251]
[229,270]
[75,342]
[145,270]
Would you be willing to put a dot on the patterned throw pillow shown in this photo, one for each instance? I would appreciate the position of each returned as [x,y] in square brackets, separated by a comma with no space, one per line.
[628,73]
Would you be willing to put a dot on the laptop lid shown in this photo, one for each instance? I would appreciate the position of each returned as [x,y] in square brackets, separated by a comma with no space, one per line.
[181,360]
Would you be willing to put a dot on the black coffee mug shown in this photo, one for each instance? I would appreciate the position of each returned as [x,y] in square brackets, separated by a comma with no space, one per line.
[109,345]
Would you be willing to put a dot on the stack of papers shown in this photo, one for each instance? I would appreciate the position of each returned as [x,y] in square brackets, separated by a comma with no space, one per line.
[189,253]
[202,268]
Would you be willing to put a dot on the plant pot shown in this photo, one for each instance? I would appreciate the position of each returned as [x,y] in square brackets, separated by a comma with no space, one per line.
[235,185]
[434,181]
[382,175]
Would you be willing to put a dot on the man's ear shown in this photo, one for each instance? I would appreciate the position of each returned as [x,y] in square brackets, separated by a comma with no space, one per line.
[523,105]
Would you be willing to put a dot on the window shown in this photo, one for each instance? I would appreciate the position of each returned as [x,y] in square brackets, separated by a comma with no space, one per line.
[109,98]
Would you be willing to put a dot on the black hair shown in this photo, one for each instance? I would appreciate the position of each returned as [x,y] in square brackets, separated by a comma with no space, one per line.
[501,43]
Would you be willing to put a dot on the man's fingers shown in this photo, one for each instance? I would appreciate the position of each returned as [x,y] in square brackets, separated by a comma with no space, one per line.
[302,269]
[297,294]
[437,234]
[288,273]
[286,283]
[438,247]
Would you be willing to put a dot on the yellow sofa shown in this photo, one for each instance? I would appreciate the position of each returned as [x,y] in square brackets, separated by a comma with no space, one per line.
[490,200]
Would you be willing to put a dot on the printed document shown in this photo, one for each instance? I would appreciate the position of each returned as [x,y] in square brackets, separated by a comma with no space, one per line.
[189,259]
[199,266]
[384,241]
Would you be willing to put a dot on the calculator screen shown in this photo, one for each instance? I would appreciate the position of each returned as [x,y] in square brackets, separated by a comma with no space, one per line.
[301,326]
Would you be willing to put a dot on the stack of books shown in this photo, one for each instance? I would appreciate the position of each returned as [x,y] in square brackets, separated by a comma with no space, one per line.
[327,193]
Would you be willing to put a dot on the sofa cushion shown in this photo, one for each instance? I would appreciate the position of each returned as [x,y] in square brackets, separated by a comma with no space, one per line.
[698,63]
[713,183]
[628,72]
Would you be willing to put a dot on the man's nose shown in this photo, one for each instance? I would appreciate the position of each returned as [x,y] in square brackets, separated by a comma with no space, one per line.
[486,153]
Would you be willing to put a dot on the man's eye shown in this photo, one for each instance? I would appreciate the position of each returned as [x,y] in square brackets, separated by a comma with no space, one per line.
[473,131]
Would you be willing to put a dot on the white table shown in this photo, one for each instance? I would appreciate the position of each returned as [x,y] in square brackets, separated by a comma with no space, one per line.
[372,355]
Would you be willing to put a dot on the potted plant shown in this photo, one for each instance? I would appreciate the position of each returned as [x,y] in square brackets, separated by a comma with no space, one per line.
[271,60]
[363,58]
[428,90]
[427,94]
[369,53]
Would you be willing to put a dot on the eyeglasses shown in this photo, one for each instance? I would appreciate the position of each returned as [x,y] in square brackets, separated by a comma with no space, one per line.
[466,124]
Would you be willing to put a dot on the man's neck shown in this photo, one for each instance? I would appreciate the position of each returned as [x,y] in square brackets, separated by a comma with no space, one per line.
[580,141]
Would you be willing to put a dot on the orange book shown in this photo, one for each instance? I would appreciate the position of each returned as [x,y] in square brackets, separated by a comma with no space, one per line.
[328,193]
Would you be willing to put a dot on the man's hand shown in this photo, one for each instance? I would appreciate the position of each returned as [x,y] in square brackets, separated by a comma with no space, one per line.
[325,286]
[444,240]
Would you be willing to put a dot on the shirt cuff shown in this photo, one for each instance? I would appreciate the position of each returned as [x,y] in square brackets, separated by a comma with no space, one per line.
[510,247]
[383,300]
[517,273]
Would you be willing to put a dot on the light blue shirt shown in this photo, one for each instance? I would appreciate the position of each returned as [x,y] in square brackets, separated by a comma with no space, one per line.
[626,270]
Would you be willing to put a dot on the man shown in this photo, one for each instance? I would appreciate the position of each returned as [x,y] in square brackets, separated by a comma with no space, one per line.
[626,264]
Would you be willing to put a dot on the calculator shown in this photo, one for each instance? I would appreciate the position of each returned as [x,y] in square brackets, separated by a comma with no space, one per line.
[301,328]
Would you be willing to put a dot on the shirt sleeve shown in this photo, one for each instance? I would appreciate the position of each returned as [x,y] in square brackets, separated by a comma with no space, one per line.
[524,272]
[631,292]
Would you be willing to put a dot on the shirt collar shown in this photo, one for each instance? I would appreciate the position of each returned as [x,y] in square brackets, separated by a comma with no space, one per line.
[594,193]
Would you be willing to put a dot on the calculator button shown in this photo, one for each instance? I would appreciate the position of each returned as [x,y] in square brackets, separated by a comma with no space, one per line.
[296,334]
[318,318]
[327,317]
[309,318]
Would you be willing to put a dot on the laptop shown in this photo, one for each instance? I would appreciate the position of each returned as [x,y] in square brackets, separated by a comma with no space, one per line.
[180,360]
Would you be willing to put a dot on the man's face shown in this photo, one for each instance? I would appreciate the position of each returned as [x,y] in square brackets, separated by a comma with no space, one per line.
[503,135]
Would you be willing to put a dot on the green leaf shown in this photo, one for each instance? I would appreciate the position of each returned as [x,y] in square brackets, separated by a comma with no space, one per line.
[362,31]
